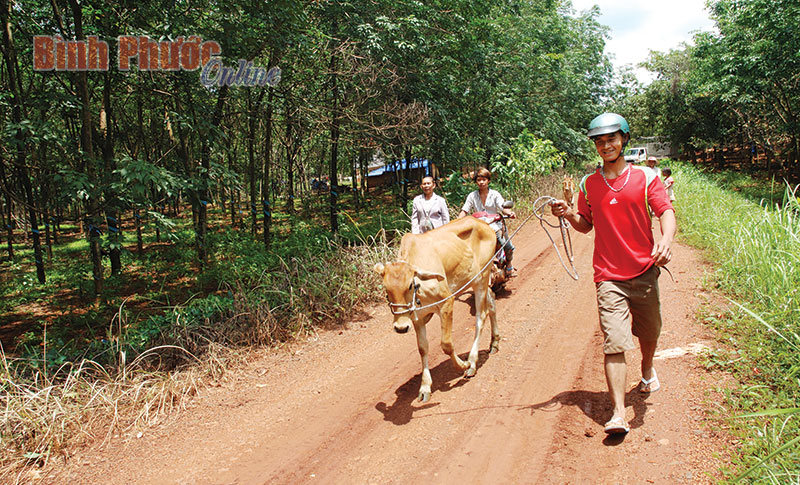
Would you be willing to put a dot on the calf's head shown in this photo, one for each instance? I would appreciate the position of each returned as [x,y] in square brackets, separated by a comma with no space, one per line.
[403,282]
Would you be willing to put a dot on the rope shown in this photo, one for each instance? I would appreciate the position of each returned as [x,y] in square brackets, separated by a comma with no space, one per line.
[563,226]
[411,307]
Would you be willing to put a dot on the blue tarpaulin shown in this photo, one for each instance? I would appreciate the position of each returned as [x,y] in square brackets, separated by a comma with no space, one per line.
[401,165]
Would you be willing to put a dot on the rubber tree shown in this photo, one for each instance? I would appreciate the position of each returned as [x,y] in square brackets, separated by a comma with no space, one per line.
[19,145]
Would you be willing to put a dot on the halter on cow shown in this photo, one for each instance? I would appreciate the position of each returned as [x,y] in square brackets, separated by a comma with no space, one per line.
[432,268]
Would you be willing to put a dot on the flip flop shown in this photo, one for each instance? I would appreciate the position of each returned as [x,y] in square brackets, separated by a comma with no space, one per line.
[617,426]
[648,386]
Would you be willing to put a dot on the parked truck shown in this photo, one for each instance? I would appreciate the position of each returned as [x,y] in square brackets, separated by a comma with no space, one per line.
[636,154]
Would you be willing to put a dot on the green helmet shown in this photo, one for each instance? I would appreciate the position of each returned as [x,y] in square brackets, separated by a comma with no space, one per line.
[607,123]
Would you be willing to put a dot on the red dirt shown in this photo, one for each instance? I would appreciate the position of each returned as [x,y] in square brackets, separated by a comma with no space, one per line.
[342,408]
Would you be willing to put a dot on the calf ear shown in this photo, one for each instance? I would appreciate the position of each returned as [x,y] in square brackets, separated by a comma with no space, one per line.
[427,275]
[379,268]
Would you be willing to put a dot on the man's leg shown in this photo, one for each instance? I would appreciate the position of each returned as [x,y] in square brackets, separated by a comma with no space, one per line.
[508,248]
[612,306]
[616,374]
[646,310]
[648,351]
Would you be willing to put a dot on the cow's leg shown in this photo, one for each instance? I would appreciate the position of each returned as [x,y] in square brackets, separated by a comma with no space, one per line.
[481,288]
[422,345]
[493,319]
[446,316]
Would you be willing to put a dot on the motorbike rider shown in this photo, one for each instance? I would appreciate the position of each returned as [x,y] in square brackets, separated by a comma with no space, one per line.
[490,201]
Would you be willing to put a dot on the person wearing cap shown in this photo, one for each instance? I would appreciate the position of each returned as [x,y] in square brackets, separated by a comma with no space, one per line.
[615,201]
[651,164]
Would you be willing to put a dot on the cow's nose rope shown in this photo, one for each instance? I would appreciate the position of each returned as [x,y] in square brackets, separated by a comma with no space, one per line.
[412,307]
[537,208]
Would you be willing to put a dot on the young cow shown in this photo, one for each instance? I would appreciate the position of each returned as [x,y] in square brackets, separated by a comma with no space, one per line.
[431,267]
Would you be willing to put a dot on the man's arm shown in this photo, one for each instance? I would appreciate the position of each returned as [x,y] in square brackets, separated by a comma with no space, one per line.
[467,206]
[662,251]
[445,211]
[415,219]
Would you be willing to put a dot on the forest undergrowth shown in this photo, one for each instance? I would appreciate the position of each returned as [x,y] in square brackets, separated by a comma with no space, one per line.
[163,330]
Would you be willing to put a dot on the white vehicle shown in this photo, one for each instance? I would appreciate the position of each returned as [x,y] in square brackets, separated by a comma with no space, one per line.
[636,155]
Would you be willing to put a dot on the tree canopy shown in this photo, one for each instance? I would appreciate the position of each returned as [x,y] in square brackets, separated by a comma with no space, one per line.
[453,81]
[738,84]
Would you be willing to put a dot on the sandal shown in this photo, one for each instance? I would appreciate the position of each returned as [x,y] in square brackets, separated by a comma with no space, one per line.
[651,385]
[617,426]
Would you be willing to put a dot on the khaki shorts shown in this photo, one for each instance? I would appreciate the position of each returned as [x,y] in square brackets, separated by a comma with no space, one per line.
[617,301]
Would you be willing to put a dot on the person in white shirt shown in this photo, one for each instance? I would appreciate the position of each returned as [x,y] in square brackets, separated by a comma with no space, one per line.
[489,200]
[428,211]
[651,164]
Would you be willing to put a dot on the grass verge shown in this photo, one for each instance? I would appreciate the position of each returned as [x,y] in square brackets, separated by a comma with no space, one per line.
[751,230]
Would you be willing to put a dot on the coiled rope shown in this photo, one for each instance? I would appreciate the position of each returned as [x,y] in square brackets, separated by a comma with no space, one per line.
[563,226]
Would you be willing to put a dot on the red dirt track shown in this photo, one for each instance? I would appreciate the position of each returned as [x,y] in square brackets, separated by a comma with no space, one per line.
[342,408]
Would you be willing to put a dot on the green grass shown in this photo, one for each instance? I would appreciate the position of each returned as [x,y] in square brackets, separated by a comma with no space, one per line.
[751,229]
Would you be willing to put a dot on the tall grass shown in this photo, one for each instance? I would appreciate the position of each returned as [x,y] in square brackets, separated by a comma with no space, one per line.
[45,417]
[756,245]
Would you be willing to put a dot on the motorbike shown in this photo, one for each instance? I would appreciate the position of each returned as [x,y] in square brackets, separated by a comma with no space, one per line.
[500,273]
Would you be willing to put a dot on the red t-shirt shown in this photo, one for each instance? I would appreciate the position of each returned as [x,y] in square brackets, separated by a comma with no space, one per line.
[623,237]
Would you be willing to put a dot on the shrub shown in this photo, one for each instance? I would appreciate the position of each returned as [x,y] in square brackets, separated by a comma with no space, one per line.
[529,158]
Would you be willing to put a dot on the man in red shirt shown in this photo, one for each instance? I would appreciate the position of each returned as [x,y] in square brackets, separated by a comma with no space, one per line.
[616,200]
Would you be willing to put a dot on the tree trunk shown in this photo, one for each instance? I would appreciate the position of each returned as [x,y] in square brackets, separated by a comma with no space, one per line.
[332,168]
[252,109]
[2,218]
[137,218]
[137,221]
[265,180]
[290,153]
[9,223]
[353,179]
[55,220]
[406,176]
[114,231]
[10,55]
[158,229]
[92,206]
[205,161]
[363,159]
[231,157]
[46,219]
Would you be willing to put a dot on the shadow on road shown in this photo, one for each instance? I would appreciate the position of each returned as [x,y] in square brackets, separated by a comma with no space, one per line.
[597,407]
[445,377]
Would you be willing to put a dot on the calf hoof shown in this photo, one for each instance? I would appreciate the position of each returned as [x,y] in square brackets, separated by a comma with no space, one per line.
[470,372]
[424,396]
[495,347]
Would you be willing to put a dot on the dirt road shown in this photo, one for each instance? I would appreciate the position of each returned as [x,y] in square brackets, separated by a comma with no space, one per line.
[341,408]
